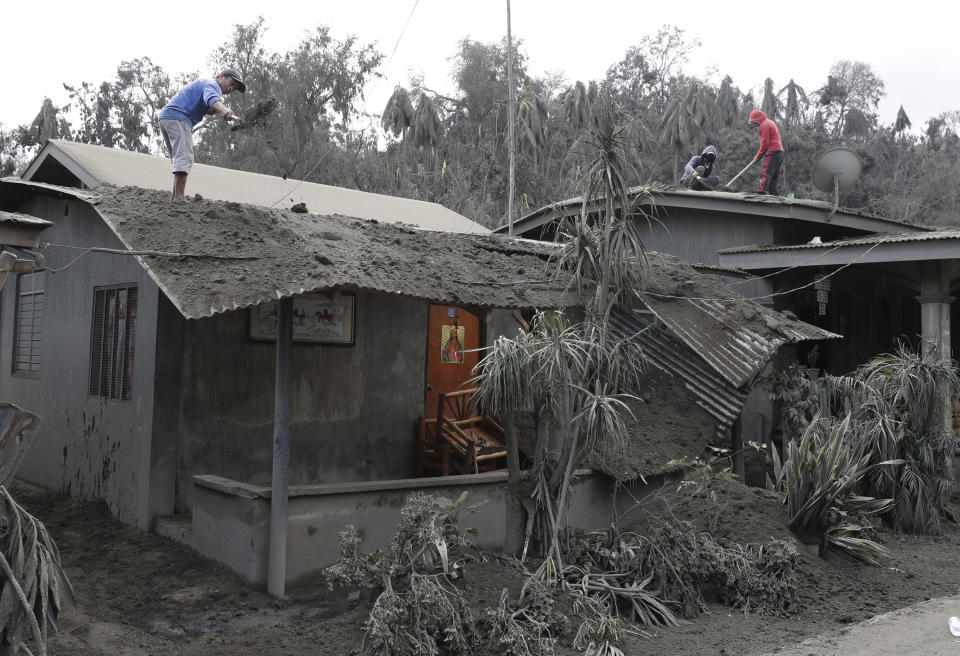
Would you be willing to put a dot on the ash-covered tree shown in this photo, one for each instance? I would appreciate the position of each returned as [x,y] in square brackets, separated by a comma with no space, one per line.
[685,122]
[121,113]
[850,85]
[317,84]
[572,376]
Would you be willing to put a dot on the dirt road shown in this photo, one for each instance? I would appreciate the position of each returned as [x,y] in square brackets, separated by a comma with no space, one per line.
[918,629]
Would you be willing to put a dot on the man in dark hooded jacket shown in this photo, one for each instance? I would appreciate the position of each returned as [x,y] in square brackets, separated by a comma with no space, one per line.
[700,169]
[771,152]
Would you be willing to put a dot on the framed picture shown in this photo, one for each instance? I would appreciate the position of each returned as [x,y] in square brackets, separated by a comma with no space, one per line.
[317,319]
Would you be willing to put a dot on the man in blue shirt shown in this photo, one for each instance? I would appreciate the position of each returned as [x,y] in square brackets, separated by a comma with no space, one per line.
[185,110]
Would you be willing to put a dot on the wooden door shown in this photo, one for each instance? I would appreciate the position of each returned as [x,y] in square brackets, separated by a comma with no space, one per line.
[451,331]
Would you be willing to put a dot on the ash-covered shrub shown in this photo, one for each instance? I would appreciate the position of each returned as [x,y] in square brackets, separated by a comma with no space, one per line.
[527,627]
[667,574]
[419,611]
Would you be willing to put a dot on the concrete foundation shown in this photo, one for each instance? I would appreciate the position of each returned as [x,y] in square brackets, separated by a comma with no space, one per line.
[231,519]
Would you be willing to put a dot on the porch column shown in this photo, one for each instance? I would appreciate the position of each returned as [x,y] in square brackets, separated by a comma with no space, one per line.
[282,413]
[935,303]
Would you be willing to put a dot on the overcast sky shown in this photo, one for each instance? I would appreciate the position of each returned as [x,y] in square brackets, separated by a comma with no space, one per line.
[47,44]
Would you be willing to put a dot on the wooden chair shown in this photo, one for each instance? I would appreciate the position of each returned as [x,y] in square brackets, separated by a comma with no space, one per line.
[461,440]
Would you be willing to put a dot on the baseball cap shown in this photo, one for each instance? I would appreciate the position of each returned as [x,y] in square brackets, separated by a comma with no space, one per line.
[229,72]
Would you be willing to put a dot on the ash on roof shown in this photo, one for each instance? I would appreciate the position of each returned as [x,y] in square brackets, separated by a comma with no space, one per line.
[257,254]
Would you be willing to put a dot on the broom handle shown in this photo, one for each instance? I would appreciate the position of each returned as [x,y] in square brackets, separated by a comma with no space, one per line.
[737,176]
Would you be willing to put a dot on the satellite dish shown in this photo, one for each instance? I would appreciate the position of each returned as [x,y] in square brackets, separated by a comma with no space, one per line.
[836,170]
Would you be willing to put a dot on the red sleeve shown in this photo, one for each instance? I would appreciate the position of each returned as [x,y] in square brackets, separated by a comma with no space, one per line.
[766,137]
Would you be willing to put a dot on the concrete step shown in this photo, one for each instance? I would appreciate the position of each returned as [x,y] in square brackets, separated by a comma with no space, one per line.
[178,528]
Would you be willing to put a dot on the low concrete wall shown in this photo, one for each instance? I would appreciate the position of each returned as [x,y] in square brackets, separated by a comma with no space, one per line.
[231,520]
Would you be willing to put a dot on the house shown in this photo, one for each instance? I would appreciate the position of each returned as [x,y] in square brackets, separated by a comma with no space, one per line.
[72,164]
[882,280]
[154,361]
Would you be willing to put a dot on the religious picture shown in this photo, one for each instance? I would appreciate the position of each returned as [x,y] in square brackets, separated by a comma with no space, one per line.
[452,339]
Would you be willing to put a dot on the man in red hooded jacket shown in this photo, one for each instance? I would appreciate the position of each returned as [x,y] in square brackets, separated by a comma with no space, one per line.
[771,151]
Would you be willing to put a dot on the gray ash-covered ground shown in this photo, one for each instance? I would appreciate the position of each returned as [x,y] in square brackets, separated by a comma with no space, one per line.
[140,594]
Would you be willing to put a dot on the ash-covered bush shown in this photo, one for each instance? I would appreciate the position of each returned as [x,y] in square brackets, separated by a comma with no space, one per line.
[527,627]
[660,577]
[419,611]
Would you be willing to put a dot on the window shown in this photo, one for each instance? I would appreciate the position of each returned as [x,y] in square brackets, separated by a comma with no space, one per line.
[28,336]
[112,342]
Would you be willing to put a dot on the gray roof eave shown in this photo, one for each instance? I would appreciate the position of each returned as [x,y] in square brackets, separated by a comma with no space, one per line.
[51,149]
[809,210]
[833,254]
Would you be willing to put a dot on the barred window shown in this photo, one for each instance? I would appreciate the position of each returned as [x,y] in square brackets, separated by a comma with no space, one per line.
[112,342]
[28,337]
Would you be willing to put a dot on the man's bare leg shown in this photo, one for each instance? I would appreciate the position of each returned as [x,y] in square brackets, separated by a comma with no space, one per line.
[179,186]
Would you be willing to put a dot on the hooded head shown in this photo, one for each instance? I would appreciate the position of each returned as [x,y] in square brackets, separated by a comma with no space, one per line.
[758,117]
[710,154]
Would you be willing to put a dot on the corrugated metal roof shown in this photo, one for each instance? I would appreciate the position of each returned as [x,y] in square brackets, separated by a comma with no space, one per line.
[23,219]
[735,335]
[727,201]
[232,256]
[717,270]
[124,168]
[738,351]
[711,391]
[869,240]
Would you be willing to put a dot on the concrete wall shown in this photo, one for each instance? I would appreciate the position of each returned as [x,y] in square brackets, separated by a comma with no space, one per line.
[88,446]
[231,520]
[354,408]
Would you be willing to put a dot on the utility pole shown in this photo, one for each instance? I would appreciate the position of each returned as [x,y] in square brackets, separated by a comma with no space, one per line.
[511,138]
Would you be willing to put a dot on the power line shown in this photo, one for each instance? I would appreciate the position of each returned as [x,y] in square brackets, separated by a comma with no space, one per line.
[788,291]
[363,107]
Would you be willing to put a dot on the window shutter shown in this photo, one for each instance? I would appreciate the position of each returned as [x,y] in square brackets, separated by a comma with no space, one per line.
[31,307]
[112,342]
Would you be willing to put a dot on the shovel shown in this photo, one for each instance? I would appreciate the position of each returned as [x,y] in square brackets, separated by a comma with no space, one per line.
[737,176]
[256,117]
[706,184]
[211,121]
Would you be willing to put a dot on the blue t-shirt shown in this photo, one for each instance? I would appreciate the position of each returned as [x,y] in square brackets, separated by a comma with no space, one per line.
[192,101]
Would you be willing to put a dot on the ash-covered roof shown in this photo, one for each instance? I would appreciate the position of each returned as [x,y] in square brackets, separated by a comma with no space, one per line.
[735,335]
[95,165]
[23,219]
[802,209]
[868,240]
[238,255]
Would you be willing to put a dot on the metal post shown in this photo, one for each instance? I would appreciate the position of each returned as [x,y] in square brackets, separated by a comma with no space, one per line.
[282,413]
[736,445]
[511,134]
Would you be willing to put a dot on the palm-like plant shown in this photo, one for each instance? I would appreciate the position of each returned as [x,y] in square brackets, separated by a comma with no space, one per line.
[573,377]
[819,478]
[902,121]
[576,106]
[728,102]
[771,105]
[427,128]
[532,117]
[795,103]
[686,120]
[35,588]
[398,114]
[900,402]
